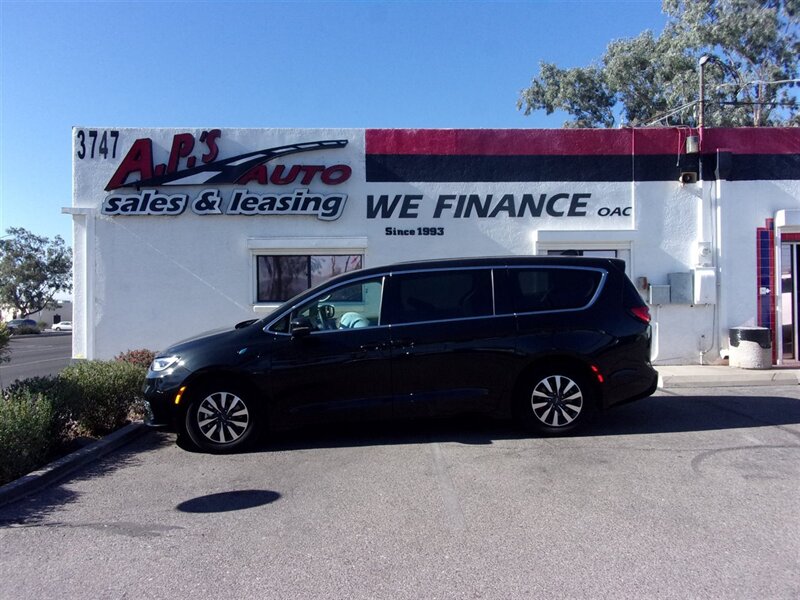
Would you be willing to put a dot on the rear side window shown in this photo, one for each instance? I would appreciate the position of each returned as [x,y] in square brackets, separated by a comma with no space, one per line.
[543,289]
[440,295]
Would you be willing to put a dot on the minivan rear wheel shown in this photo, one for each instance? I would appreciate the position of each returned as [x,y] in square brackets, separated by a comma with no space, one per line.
[221,418]
[556,401]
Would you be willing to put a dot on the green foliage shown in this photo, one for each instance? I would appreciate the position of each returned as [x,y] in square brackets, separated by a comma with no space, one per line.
[25,433]
[103,392]
[51,388]
[40,414]
[26,330]
[33,269]
[5,339]
[649,78]
[140,358]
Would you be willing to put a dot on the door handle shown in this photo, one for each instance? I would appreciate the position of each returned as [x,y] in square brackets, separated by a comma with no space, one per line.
[405,343]
[393,345]
[368,347]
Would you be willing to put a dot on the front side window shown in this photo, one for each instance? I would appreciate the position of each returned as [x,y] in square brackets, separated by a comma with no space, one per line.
[441,295]
[350,306]
[280,277]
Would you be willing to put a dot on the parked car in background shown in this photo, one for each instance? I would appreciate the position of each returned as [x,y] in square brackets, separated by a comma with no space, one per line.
[549,340]
[16,324]
[62,326]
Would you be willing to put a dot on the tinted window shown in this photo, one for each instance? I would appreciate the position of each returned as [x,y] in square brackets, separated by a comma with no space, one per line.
[441,295]
[553,288]
[282,277]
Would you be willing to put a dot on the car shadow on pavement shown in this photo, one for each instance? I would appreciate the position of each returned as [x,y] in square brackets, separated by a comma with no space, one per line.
[36,508]
[228,501]
[657,414]
[674,413]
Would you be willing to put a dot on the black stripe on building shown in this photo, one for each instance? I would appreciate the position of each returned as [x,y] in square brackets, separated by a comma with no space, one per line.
[453,168]
[761,167]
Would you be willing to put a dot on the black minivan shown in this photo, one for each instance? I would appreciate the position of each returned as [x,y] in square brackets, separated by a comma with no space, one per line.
[548,340]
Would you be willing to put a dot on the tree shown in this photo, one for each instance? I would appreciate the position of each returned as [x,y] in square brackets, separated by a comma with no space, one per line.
[33,269]
[754,63]
[5,340]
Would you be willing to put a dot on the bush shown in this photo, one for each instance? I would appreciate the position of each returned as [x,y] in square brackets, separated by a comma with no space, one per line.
[52,389]
[25,433]
[26,330]
[102,394]
[140,358]
[40,415]
[5,338]
[44,386]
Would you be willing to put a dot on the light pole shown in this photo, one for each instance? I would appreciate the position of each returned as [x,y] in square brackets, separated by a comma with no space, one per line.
[701,103]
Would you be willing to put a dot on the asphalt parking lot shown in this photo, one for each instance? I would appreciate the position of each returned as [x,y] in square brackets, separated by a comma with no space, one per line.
[36,355]
[680,495]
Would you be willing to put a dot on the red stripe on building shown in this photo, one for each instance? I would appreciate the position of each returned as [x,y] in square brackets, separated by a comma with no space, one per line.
[565,142]
[753,140]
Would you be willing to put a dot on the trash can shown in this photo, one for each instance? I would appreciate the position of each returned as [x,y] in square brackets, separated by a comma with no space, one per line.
[750,347]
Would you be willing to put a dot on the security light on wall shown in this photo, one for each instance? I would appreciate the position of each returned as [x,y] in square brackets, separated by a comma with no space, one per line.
[688,177]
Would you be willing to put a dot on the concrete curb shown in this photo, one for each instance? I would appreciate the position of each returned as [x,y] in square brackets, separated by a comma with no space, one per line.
[710,376]
[65,465]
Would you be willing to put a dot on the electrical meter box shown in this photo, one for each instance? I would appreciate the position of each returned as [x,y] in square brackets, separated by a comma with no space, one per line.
[681,289]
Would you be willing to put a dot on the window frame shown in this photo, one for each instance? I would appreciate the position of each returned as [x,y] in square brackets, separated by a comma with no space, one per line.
[497,284]
[297,246]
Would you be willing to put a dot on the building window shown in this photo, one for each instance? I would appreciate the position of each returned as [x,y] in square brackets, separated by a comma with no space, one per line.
[280,277]
[593,253]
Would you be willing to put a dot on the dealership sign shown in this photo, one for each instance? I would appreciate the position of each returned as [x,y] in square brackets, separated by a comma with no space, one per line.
[138,170]
[217,172]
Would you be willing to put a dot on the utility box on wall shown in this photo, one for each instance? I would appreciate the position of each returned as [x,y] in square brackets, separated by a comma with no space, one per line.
[681,291]
[705,286]
[659,294]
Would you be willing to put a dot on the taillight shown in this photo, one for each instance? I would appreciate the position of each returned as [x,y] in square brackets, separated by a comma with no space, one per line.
[641,312]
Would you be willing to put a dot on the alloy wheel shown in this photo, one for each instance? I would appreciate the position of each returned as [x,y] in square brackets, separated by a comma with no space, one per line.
[222,417]
[556,401]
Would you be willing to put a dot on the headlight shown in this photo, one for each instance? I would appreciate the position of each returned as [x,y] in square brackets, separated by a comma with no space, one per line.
[162,363]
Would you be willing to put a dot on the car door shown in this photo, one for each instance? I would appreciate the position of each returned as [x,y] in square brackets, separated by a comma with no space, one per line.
[341,368]
[450,354]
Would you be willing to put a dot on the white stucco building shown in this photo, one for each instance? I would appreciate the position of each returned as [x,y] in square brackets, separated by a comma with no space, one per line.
[182,230]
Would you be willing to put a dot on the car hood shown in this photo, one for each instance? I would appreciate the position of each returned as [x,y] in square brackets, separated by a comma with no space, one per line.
[206,338]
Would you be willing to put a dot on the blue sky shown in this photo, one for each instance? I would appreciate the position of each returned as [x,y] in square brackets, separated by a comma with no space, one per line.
[270,64]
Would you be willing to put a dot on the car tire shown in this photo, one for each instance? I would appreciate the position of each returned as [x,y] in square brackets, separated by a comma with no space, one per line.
[221,418]
[556,401]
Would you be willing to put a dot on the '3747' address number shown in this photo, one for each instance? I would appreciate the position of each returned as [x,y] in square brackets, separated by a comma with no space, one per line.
[92,143]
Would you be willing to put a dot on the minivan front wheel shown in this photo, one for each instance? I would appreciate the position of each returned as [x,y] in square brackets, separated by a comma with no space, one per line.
[221,419]
[556,402]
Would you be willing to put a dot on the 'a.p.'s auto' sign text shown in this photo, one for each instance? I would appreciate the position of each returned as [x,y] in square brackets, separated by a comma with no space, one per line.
[140,183]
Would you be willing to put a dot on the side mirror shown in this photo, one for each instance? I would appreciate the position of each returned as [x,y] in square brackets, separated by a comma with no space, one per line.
[244,324]
[300,327]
